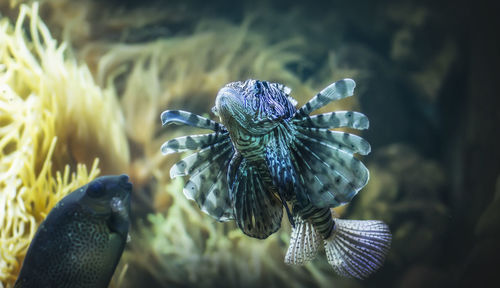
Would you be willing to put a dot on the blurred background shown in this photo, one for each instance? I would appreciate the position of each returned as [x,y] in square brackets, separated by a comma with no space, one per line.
[426,74]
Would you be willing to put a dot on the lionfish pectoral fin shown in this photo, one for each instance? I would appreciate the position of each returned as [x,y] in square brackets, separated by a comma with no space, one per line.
[332,120]
[232,170]
[191,119]
[203,158]
[207,185]
[192,142]
[335,91]
[257,211]
[332,176]
[357,248]
[304,243]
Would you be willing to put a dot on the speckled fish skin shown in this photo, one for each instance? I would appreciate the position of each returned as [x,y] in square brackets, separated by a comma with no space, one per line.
[82,239]
[267,155]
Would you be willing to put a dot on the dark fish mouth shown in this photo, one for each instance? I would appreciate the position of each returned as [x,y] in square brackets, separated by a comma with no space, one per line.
[125,183]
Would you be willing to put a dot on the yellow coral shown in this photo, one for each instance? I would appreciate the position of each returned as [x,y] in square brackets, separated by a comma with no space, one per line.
[88,119]
[51,115]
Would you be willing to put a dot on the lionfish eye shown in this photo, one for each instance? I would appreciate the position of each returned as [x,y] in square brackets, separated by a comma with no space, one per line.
[215,111]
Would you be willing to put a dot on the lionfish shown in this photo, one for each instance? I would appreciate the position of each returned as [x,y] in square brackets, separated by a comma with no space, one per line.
[266,155]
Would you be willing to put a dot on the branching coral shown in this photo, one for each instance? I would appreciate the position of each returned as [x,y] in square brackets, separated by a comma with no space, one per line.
[83,21]
[51,115]
[88,118]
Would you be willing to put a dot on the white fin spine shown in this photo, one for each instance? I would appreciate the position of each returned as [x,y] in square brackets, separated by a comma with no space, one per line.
[357,248]
[304,243]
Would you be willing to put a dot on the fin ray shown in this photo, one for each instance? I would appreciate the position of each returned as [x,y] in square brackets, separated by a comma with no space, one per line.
[335,91]
[207,186]
[337,139]
[304,242]
[332,120]
[191,119]
[330,183]
[357,248]
[338,160]
[191,142]
[200,159]
[257,211]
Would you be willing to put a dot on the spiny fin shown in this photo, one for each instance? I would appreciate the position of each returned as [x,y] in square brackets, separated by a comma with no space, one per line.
[191,119]
[340,140]
[335,91]
[257,211]
[200,159]
[357,248]
[304,242]
[208,187]
[341,161]
[332,176]
[192,142]
[332,120]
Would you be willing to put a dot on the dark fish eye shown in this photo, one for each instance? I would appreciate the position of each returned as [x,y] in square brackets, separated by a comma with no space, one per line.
[95,189]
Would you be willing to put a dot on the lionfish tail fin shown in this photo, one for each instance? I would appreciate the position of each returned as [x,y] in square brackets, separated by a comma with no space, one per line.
[357,248]
[304,243]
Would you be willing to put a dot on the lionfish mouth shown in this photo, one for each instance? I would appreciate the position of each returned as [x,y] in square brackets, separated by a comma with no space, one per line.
[225,99]
[230,108]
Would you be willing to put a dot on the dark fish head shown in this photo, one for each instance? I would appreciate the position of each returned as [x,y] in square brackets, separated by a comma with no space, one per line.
[92,221]
[253,105]
[107,195]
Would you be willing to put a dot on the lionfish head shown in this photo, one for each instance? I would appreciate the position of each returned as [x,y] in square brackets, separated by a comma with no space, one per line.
[254,105]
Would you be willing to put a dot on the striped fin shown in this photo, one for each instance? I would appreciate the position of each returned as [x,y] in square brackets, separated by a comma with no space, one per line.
[199,160]
[337,139]
[331,177]
[337,159]
[192,142]
[340,162]
[191,119]
[335,91]
[304,243]
[338,119]
[208,187]
[357,248]
[324,187]
[257,211]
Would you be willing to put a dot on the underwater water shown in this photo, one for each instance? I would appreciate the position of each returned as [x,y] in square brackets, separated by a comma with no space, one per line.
[425,75]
